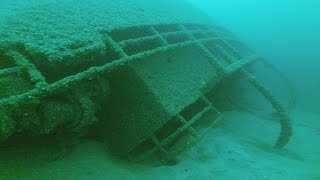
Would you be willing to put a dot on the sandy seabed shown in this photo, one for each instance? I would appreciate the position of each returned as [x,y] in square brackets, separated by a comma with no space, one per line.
[239,148]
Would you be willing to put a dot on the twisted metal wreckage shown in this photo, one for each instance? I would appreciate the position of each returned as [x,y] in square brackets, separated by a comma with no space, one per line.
[152,91]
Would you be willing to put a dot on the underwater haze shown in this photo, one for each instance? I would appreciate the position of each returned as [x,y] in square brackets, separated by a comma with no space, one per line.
[159,89]
[284,32]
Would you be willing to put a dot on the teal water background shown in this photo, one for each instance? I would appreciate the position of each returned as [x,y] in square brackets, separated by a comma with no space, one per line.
[286,33]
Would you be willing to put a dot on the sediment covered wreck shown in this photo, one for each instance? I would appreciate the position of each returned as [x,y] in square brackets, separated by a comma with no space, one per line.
[144,71]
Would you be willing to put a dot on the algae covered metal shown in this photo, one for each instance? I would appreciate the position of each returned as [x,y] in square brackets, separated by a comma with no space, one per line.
[147,82]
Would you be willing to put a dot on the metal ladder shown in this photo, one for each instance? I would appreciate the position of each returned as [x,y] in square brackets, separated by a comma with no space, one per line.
[163,146]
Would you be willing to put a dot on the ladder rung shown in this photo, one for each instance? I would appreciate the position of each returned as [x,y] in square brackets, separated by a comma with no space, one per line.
[158,144]
[217,120]
[210,104]
[184,121]
[237,65]
[205,99]
[138,40]
[163,40]
[116,47]
[200,114]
